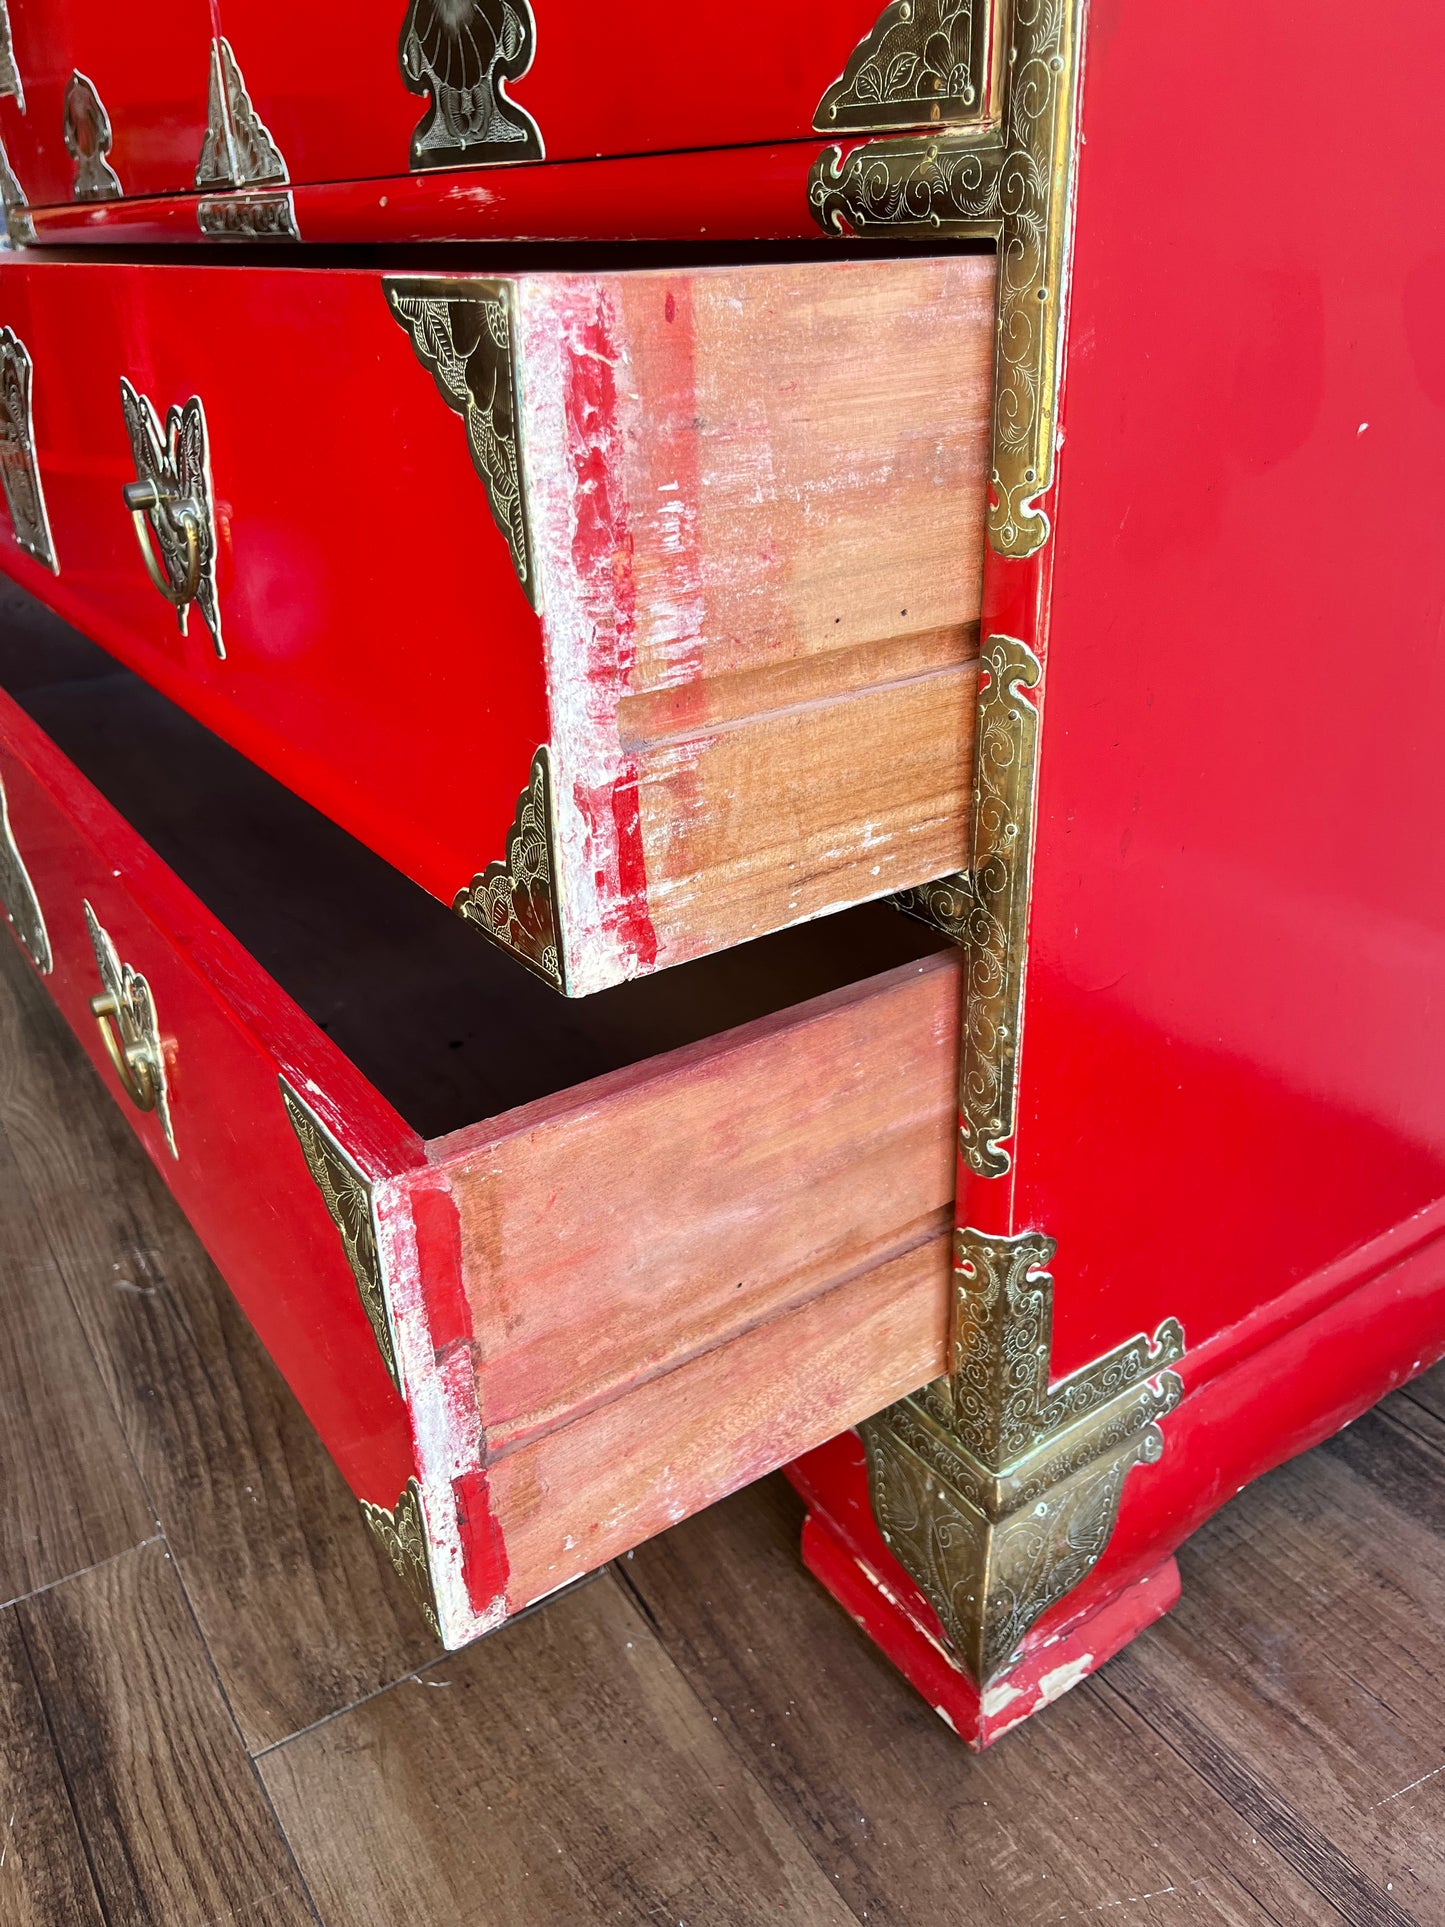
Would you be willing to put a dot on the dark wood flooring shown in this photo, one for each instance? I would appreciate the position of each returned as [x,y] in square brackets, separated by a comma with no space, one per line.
[216,1706]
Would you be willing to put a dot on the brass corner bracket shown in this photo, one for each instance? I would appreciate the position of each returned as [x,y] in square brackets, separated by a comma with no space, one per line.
[986,907]
[401,1534]
[1004,175]
[463,333]
[346,1193]
[515,901]
[996,1490]
[239,153]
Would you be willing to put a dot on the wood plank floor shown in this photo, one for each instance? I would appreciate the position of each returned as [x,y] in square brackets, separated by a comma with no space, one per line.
[216,1706]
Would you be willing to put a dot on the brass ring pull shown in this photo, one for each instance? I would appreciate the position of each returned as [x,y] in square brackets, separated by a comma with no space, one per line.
[144,498]
[131,1063]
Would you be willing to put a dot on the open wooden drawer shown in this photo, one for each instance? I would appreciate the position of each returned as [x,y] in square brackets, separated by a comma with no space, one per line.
[631,612]
[535,1319]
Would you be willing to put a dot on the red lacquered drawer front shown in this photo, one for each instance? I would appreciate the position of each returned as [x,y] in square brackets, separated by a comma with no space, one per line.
[557,1330]
[135,121]
[689,539]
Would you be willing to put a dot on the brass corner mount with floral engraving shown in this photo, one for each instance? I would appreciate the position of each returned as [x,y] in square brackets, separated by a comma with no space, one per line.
[995,161]
[996,1490]
[346,1193]
[514,901]
[401,1534]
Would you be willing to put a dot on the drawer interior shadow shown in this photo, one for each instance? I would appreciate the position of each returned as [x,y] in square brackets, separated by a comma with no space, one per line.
[448,1028]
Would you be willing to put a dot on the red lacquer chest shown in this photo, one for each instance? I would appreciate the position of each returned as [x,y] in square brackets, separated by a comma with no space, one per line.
[1112,368]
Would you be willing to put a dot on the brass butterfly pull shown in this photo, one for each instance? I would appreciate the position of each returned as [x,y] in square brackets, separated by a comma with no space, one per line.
[170,500]
[125,1012]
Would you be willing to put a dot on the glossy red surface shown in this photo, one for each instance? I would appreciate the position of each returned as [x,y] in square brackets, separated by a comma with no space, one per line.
[737,194]
[1233,1068]
[603,80]
[376,633]
[1231,1083]
[152,85]
[239,1174]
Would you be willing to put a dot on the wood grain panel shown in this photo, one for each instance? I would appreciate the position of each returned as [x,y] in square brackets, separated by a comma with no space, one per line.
[757,497]
[71,1494]
[175,1828]
[44,1878]
[1084,1814]
[651,1215]
[590,1490]
[560,1771]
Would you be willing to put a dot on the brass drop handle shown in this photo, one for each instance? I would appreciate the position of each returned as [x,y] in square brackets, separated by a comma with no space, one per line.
[131,1061]
[144,498]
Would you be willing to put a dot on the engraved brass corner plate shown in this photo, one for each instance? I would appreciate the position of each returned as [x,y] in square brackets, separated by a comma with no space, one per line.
[19,228]
[986,907]
[126,1013]
[1009,180]
[17,896]
[87,141]
[926,61]
[171,496]
[463,333]
[10,81]
[346,1193]
[514,901]
[997,1491]
[401,1533]
[19,469]
[239,153]
[461,54]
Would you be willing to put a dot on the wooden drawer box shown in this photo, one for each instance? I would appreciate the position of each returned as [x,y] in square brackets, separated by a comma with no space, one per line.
[632,613]
[553,1330]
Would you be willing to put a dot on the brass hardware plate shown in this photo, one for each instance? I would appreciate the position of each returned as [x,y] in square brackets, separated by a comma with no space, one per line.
[995,1489]
[460,54]
[126,1013]
[87,141]
[1012,184]
[237,149]
[514,901]
[462,333]
[346,1193]
[401,1534]
[925,63]
[19,228]
[172,497]
[10,81]
[19,469]
[238,152]
[986,907]
[17,896]
[248,217]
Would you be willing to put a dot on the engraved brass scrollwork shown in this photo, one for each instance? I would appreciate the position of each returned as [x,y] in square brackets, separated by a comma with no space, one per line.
[1011,182]
[401,1534]
[19,228]
[238,152]
[925,62]
[346,1193]
[996,1490]
[125,1013]
[461,54]
[514,901]
[171,496]
[17,896]
[87,141]
[462,333]
[985,908]
[19,469]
